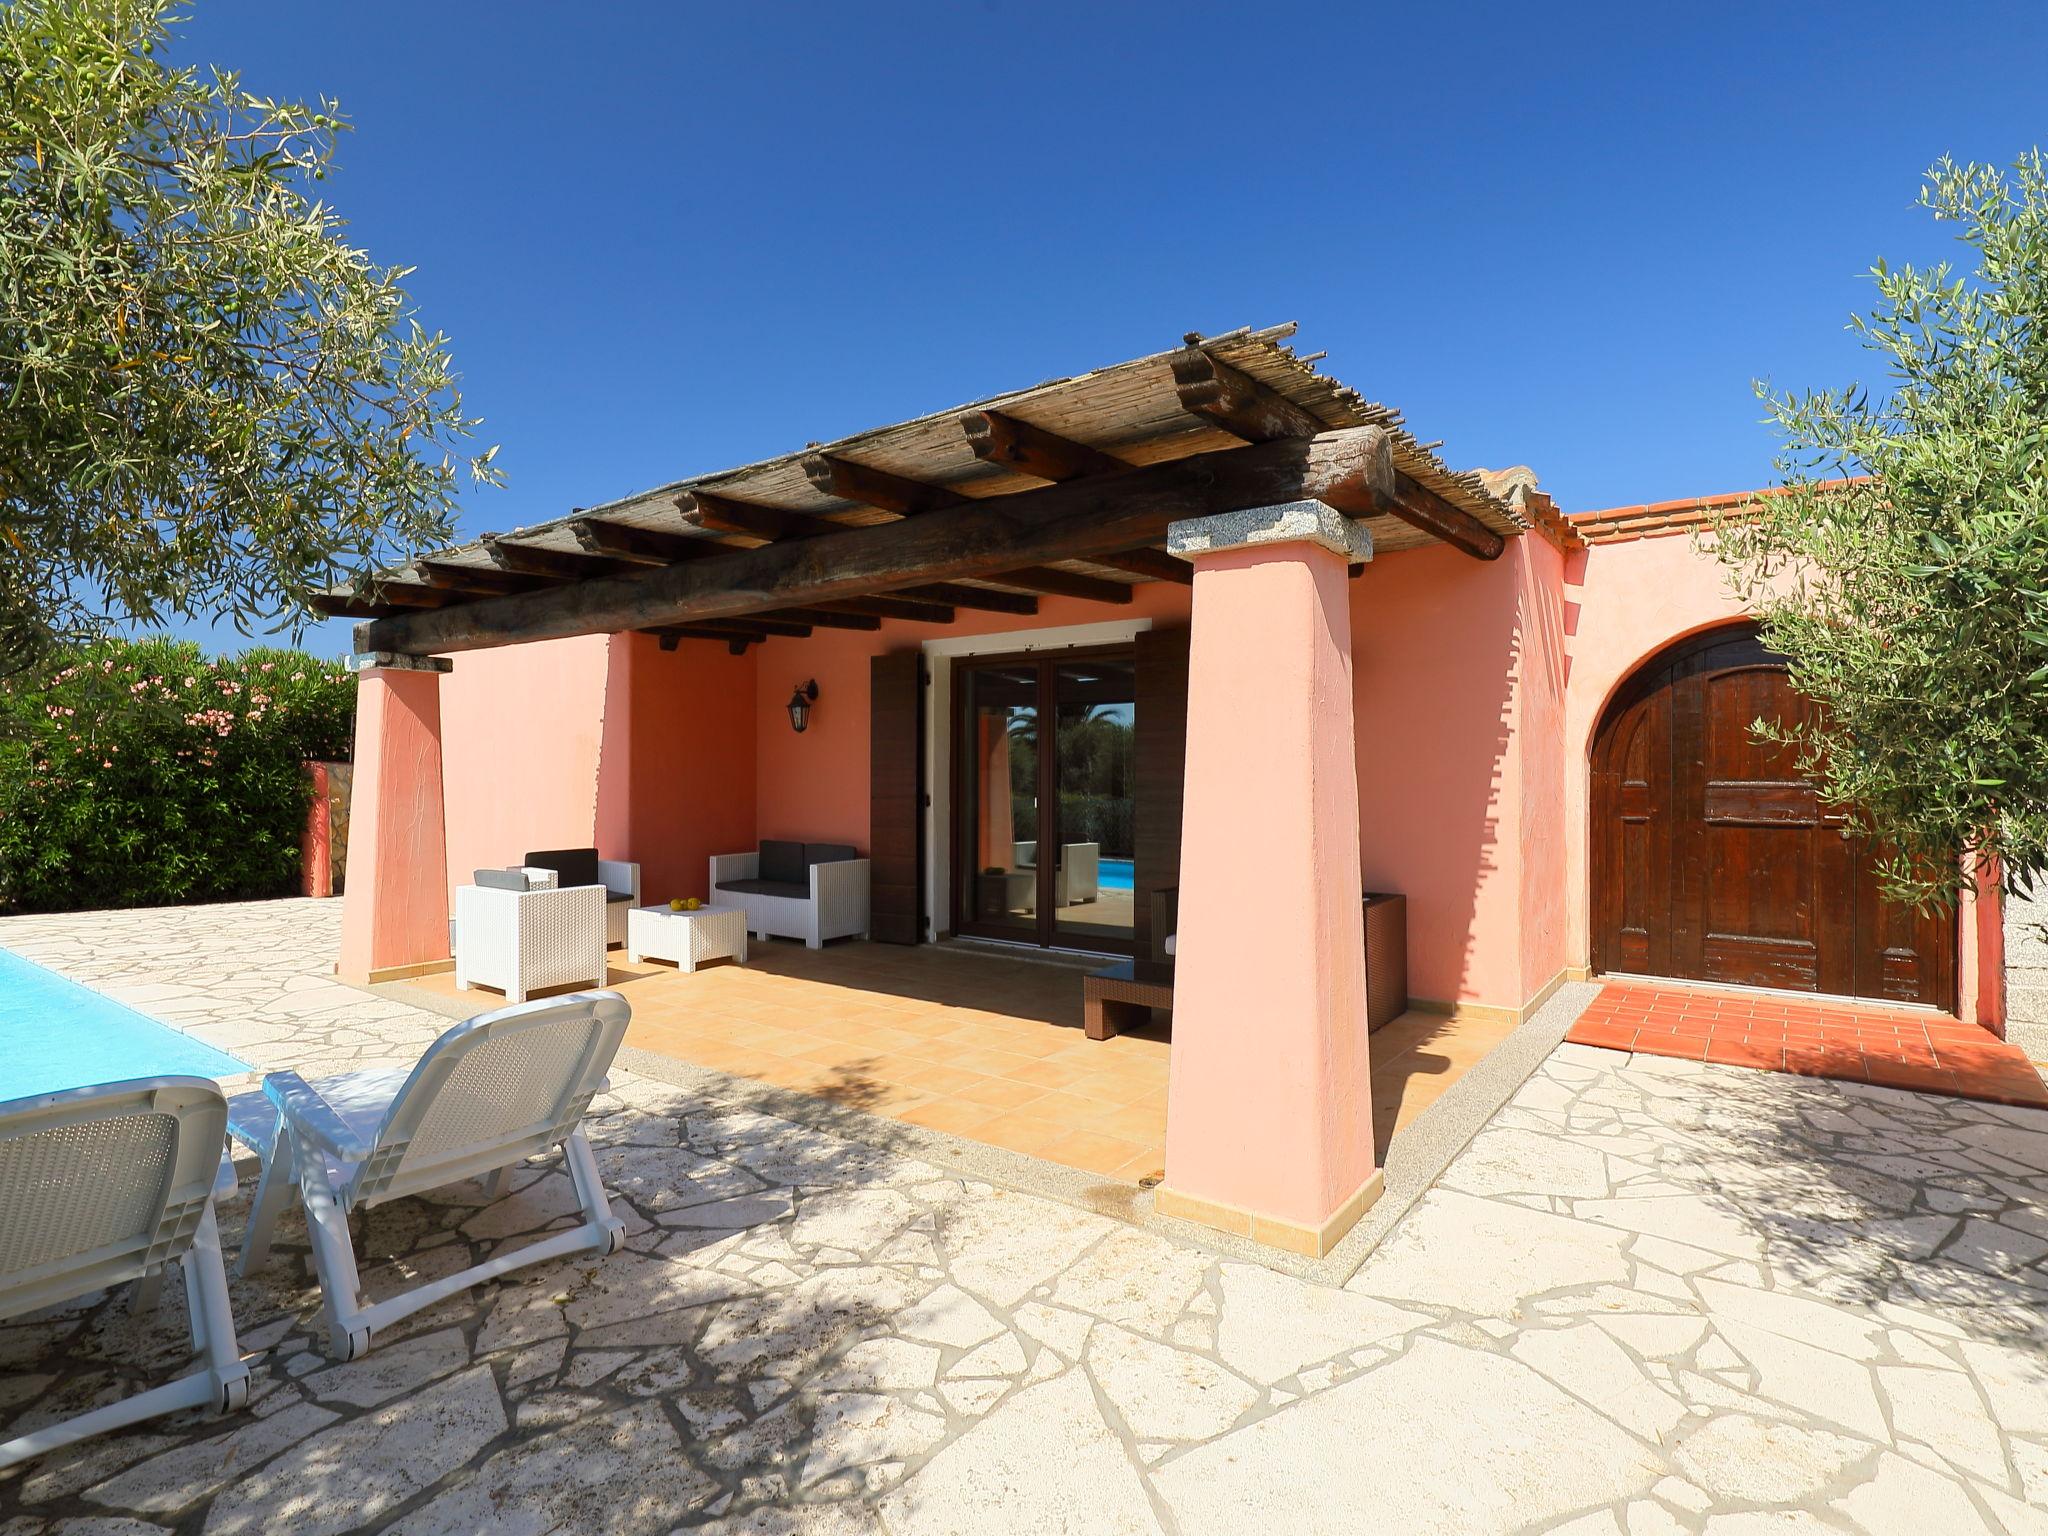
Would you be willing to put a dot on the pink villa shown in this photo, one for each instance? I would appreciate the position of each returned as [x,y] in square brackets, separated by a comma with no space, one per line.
[1224,636]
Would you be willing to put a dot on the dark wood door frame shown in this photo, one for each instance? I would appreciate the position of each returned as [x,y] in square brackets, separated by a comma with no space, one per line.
[1045,662]
[1653,800]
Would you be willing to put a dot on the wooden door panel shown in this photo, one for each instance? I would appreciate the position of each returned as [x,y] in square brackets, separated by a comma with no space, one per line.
[1714,858]
[896,798]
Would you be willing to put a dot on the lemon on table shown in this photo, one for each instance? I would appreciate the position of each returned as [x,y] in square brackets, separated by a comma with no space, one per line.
[691,903]
[676,905]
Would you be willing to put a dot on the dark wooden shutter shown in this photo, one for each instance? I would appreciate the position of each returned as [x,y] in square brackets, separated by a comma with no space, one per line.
[896,798]
[1162,750]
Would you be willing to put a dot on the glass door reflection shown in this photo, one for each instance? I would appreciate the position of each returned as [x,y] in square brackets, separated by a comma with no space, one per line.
[1095,804]
[999,750]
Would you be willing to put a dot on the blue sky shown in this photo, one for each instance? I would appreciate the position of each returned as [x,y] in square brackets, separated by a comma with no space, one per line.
[670,238]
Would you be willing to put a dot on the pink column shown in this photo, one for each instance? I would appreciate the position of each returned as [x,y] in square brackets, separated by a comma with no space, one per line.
[394,914]
[1980,979]
[1269,1106]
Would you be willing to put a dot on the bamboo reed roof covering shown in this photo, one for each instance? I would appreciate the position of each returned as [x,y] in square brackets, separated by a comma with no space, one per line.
[1193,399]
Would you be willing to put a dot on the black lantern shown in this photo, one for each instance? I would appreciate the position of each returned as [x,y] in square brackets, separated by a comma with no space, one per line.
[800,703]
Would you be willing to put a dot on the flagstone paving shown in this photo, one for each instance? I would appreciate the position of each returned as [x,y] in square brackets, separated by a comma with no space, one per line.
[1651,1295]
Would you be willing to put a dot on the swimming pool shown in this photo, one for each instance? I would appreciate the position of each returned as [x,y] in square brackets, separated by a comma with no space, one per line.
[56,1034]
[1114,874]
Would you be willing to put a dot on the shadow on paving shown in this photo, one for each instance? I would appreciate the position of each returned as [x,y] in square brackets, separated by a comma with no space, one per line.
[739,1354]
[1867,1194]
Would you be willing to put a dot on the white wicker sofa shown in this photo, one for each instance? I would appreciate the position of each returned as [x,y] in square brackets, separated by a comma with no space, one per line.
[790,890]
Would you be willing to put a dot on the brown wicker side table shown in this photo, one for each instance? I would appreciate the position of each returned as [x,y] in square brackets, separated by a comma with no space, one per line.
[1124,994]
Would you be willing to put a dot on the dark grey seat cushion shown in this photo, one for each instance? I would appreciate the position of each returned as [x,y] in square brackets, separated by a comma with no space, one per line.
[572,866]
[800,890]
[783,861]
[829,853]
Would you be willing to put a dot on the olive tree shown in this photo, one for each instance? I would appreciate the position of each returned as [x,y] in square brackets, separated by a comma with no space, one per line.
[211,403]
[1904,567]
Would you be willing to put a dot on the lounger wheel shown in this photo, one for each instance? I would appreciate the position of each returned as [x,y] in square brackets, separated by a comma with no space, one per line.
[355,1344]
[614,1238]
[234,1395]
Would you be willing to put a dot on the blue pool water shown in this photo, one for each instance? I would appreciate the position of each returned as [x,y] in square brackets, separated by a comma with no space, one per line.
[56,1034]
[1115,875]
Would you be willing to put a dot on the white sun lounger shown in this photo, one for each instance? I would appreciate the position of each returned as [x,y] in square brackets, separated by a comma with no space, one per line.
[489,1093]
[109,1184]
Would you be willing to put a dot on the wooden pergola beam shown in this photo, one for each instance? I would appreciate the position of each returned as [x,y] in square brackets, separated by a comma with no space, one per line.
[475,580]
[1237,402]
[344,605]
[953,595]
[897,605]
[826,618]
[651,546]
[758,625]
[1154,564]
[1352,467]
[672,636]
[748,519]
[1017,444]
[871,487]
[1256,412]
[1420,507]
[1058,583]
[560,564]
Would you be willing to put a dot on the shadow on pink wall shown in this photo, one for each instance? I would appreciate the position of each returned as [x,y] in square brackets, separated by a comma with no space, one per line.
[1434,644]
[676,767]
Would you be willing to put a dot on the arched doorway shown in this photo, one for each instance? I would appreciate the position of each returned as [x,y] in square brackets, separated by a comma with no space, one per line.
[1713,860]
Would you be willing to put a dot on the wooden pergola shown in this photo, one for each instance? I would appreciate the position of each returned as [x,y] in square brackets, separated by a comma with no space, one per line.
[1066,489]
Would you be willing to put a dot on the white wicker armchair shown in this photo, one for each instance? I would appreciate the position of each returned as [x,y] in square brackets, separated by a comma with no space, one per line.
[520,941]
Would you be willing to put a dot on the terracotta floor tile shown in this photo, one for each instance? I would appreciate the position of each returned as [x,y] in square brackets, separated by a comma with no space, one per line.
[1895,1046]
[1021,1131]
[1651,1042]
[954,1116]
[1068,1109]
[999,1093]
[1743,1053]
[1091,1151]
[1615,1036]
[1143,1125]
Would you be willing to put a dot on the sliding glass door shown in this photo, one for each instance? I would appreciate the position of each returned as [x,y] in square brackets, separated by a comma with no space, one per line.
[1044,777]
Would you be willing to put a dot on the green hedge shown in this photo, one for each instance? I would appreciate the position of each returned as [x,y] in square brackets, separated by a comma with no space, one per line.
[142,773]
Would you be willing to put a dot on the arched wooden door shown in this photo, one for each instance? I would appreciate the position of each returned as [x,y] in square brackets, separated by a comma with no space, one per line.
[1714,860]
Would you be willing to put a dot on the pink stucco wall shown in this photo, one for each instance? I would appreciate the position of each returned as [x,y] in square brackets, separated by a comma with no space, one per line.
[1477,687]
[676,778]
[1458,682]
[520,730]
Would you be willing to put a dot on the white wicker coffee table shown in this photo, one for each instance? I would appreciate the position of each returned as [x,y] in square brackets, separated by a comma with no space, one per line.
[687,938]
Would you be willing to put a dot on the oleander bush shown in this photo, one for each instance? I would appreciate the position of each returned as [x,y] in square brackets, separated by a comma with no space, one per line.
[142,773]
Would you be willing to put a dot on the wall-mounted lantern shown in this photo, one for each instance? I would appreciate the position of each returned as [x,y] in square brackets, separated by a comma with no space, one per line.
[800,703]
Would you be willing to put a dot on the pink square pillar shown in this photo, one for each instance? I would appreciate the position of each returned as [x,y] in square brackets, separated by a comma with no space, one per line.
[394,914]
[1269,1106]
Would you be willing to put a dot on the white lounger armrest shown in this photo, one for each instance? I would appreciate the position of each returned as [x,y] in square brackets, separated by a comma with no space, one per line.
[302,1108]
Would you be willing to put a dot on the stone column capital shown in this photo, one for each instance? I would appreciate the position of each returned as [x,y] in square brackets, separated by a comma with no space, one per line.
[1287,522]
[397,661]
